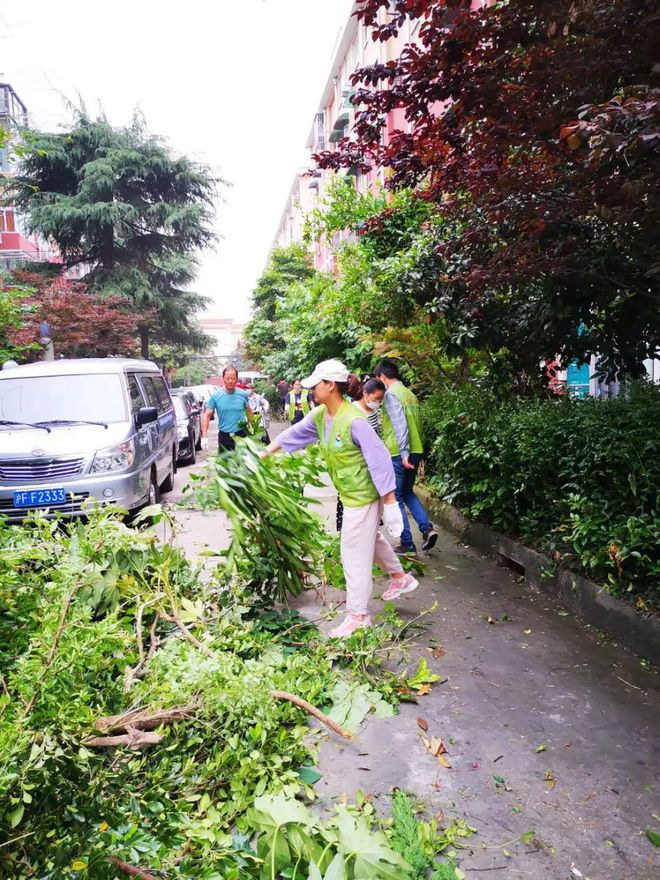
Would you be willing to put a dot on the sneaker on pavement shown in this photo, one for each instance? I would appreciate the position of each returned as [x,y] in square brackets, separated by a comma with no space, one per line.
[399,587]
[405,549]
[430,538]
[350,624]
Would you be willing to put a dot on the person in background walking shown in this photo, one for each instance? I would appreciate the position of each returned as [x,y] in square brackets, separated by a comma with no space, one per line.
[260,408]
[298,403]
[402,434]
[370,399]
[361,469]
[230,403]
[282,391]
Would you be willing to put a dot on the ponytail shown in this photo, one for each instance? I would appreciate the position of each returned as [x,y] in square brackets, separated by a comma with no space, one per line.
[350,388]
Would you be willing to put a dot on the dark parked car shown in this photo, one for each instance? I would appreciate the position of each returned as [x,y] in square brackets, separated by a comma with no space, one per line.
[188,395]
[189,427]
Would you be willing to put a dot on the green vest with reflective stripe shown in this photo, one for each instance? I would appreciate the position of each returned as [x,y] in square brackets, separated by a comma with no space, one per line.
[413,418]
[304,402]
[346,465]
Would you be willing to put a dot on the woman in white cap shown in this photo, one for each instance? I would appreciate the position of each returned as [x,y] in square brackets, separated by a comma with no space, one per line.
[361,469]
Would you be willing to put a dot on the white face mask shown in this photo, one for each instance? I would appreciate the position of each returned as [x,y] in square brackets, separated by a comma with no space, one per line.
[374,404]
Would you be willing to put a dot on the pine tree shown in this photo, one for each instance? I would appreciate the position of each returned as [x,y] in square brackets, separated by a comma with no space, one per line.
[119,205]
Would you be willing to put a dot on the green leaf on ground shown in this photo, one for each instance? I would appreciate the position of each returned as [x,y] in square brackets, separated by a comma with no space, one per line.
[373,856]
[309,775]
[422,677]
[277,810]
[352,701]
[653,836]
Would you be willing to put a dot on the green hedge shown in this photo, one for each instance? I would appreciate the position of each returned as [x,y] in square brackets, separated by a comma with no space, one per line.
[578,479]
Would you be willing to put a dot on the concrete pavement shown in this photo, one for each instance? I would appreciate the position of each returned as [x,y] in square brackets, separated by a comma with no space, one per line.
[550,728]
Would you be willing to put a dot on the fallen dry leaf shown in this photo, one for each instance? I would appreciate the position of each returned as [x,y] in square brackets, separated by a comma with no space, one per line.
[424,689]
[434,745]
[438,653]
[444,761]
[423,723]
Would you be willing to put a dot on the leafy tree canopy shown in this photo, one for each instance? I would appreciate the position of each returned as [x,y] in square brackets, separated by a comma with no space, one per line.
[126,211]
[532,128]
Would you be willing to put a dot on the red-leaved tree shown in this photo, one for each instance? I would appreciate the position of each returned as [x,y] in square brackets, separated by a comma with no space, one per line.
[82,324]
[534,127]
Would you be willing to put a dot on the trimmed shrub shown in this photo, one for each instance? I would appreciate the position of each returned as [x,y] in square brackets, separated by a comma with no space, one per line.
[578,479]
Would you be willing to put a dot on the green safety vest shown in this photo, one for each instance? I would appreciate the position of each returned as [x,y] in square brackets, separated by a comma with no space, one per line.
[292,404]
[413,417]
[346,465]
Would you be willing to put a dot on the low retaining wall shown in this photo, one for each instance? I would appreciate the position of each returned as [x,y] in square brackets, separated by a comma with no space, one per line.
[571,591]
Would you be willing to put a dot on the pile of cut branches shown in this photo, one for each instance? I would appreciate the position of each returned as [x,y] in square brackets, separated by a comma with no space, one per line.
[154,725]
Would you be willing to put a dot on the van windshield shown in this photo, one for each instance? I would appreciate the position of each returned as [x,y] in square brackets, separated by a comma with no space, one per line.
[85,398]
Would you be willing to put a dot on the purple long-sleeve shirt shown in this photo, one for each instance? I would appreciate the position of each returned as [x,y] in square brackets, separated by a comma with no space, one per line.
[376,456]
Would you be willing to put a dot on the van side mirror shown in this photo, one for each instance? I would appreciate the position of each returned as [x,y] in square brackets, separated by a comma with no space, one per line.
[146,415]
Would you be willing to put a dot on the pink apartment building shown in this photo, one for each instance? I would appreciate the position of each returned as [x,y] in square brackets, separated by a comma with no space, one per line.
[16,246]
[334,121]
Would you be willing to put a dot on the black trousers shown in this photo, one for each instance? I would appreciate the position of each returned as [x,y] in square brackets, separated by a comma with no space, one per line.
[226,441]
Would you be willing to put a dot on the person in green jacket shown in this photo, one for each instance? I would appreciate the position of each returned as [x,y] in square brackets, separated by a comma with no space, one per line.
[297,404]
[361,469]
[402,434]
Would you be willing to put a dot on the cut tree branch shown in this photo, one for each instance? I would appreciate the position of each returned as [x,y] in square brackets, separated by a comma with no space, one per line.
[174,618]
[312,710]
[142,719]
[131,870]
[134,739]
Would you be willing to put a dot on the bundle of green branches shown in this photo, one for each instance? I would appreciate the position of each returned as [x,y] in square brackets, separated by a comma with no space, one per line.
[145,725]
[278,543]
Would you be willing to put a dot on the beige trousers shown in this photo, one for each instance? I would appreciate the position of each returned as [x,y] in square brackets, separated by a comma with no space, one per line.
[361,545]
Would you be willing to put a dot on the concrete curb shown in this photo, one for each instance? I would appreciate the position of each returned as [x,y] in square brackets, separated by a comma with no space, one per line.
[586,599]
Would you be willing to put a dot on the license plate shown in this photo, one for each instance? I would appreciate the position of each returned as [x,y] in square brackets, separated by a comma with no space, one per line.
[39,497]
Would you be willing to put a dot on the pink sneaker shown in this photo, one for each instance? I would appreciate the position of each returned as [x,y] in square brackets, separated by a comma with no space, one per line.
[350,624]
[400,586]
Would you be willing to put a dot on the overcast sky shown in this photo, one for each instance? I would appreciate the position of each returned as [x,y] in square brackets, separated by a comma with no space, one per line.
[233,84]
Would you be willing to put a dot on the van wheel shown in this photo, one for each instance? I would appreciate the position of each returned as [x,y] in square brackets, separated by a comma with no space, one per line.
[154,492]
[192,458]
[168,485]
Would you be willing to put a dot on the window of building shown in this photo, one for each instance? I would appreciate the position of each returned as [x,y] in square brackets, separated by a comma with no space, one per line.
[7,223]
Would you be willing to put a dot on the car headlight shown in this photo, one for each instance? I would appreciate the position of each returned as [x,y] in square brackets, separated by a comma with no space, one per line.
[114,458]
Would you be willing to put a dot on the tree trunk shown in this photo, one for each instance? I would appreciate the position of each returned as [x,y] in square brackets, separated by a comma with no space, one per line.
[144,342]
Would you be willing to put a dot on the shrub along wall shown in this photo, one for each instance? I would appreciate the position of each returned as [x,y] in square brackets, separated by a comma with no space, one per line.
[578,479]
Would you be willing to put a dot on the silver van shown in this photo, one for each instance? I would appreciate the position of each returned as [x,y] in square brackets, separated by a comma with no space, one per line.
[75,432]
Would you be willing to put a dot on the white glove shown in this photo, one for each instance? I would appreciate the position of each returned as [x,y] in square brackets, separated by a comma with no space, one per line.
[205,442]
[393,519]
